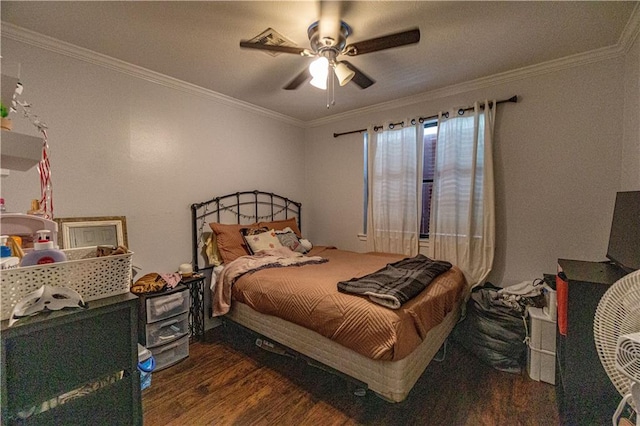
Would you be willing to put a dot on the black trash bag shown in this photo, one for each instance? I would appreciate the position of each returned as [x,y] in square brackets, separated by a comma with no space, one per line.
[492,330]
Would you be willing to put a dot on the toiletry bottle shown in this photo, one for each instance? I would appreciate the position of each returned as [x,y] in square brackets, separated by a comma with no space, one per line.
[43,251]
[6,260]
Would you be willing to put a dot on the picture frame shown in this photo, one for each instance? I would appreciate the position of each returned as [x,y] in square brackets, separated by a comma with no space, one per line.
[75,232]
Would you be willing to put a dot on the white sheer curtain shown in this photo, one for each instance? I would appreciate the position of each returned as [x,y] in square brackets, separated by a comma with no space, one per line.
[394,189]
[462,222]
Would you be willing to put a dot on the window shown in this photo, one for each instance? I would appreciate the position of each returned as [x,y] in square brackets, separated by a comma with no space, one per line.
[428,172]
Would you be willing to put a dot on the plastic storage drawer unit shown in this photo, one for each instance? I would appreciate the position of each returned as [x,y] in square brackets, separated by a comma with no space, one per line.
[171,353]
[159,308]
[161,332]
[163,324]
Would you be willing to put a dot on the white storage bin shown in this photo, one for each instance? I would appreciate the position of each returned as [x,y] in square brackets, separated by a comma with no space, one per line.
[542,330]
[551,302]
[159,308]
[169,354]
[541,365]
[166,331]
[92,277]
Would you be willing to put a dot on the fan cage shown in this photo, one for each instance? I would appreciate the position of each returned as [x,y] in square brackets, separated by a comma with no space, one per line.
[617,314]
[628,358]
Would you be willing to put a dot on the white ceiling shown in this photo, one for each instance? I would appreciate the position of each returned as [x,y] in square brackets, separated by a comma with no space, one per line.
[198,42]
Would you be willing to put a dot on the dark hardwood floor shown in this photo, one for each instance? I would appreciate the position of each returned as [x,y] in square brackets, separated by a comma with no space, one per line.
[227,380]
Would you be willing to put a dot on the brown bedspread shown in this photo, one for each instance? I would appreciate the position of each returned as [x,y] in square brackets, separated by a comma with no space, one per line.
[308,296]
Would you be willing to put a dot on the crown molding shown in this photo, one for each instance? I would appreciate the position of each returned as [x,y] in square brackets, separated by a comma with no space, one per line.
[631,30]
[51,44]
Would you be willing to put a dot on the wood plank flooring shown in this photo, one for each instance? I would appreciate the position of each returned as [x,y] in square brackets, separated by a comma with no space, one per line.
[227,380]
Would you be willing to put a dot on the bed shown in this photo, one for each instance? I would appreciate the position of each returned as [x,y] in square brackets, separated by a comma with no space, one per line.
[299,305]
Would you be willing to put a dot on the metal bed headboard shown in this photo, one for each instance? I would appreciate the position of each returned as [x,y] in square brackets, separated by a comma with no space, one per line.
[247,207]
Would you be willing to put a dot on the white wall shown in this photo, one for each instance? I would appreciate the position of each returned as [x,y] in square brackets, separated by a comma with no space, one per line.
[557,161]
[630,167]
[121,145]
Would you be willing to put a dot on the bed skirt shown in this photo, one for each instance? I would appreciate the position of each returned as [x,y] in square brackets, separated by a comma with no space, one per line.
[391,380]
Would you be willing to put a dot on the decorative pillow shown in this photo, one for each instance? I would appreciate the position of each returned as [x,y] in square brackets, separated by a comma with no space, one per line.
[306,244]
[280,225]
[211,250]
[230,241]
[263,241]
[253,231]
[288,238]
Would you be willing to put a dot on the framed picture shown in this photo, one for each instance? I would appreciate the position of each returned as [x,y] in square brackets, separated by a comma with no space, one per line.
[77,232]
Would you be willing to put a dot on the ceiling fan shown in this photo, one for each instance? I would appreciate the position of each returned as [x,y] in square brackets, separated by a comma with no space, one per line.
[328,40]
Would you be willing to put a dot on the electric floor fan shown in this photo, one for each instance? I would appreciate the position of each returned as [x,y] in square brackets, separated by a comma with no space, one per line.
[616,331]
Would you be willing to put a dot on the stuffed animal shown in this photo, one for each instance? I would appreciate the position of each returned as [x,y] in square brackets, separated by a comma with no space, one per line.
[149,283]
[110,250]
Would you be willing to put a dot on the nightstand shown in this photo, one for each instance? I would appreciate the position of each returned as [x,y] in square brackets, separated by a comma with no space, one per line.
[163,325]
[195,284]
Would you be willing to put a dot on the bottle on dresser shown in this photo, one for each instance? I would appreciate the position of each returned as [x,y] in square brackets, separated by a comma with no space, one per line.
[43,251]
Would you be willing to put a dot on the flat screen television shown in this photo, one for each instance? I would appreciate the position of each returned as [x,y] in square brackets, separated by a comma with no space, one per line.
[624,239]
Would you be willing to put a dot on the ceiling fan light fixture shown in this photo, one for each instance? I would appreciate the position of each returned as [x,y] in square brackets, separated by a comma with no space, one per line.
[344,73]
[320,83]
[319,70]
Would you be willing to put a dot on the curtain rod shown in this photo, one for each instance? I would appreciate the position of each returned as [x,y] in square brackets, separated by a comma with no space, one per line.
[461,111]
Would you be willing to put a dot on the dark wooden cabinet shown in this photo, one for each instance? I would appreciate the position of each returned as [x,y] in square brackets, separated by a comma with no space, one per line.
[585,393]
[73,366]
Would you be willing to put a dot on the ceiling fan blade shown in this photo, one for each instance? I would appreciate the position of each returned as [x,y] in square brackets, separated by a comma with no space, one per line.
[361,79]
[282,49]
[381,43]
[298,80]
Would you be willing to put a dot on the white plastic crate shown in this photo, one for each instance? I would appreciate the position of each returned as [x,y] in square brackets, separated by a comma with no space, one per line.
[92,277]
[541,365]
[541,354]
[542,330]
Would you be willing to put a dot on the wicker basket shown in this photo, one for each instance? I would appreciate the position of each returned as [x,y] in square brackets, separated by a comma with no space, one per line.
[92,277]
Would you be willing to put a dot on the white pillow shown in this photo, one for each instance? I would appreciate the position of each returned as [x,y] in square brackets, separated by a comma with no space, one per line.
[263,241]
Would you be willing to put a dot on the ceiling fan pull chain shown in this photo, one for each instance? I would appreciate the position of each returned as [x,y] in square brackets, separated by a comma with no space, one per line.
[331,100]
[333,87]
[328,99]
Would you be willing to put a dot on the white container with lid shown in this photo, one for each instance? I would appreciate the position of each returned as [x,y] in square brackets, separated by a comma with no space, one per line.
[43,251]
